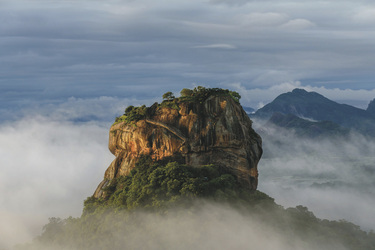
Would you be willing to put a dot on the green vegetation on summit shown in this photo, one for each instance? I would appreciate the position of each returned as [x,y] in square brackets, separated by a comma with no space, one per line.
[196,95]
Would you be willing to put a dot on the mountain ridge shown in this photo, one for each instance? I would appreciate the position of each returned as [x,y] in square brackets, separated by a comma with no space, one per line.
[312,105]
[305,128]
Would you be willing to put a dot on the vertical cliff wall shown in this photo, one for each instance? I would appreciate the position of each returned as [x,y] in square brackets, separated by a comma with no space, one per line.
[214,131]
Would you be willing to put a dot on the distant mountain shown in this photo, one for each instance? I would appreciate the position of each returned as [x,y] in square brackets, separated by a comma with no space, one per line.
[306,128]
[248,110]
[313,106]
[371,108]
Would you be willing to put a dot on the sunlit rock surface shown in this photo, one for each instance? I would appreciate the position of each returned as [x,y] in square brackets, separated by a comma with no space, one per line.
[217,131]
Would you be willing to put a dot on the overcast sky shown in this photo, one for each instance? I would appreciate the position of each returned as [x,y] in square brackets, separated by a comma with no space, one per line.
[54,50]
[67,68]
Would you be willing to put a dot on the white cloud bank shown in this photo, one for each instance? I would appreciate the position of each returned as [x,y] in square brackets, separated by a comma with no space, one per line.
[47,169]
[333,177]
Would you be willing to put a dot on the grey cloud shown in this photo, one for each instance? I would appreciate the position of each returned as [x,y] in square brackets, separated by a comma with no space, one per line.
[235,2]
[298,24]
[56,51]
[215,46]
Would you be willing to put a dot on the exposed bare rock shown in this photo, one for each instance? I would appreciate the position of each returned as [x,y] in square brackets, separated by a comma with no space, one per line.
[216,131]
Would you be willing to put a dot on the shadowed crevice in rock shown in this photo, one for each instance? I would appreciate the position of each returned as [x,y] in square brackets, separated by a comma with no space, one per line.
[169,128]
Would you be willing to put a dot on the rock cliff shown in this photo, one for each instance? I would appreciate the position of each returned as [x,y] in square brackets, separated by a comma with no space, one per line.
[213,131]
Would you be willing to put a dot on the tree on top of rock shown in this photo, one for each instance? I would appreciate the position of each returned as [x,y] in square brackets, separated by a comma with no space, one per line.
[168,96]
[187,92]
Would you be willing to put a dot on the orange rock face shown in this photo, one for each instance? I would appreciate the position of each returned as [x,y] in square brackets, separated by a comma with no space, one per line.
[217,131]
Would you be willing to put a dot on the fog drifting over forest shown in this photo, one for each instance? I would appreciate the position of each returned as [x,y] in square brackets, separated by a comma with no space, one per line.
[206,226]
[333,177]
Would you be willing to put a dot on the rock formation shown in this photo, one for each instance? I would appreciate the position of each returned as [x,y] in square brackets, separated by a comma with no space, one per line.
[213,131]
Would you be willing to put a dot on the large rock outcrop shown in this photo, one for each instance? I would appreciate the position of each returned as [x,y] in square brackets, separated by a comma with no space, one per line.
[215,131]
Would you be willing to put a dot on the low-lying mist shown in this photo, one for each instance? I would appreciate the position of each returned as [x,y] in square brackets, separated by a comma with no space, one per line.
[52,157]
[49,166]
[334,177]
[205,226]
[47,169]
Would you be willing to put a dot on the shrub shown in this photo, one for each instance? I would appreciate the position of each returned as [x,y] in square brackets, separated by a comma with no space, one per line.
[132,114]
